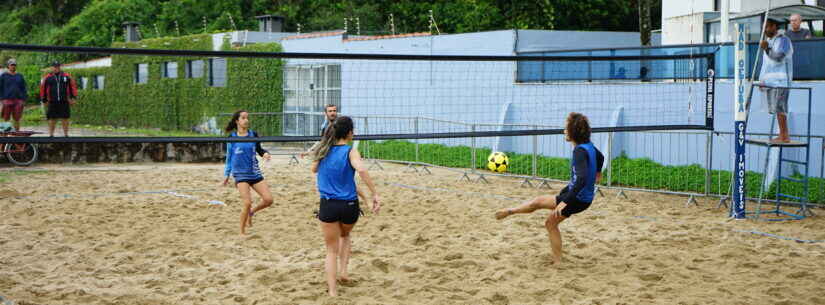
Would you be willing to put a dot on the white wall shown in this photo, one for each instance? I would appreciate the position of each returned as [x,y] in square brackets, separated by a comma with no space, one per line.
[677,30]
[673,8]
[93,63]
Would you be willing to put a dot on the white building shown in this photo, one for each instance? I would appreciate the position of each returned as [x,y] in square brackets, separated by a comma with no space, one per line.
[698,21]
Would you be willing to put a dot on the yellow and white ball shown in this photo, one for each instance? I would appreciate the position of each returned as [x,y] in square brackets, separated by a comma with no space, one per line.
[498,162]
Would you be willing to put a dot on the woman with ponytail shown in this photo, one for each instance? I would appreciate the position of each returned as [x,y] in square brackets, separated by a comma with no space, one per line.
[242,165]
[336,163]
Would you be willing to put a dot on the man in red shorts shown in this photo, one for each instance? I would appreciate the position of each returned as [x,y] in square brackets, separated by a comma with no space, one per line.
[13,93]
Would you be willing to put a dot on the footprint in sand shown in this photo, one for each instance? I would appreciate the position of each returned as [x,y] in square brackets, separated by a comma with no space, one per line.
[498,299]
[650,277]
[419,241]
[381,265]
[409,268]
[453,256]
[799,275]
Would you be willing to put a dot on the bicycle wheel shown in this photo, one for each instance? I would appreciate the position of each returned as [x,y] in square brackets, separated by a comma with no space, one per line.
[21,154]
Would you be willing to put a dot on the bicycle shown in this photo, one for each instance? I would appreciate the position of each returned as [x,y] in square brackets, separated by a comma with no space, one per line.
[22,154]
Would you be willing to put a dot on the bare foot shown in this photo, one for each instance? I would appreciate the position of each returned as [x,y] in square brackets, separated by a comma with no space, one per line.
[345,281]
[780,140]
[501,214]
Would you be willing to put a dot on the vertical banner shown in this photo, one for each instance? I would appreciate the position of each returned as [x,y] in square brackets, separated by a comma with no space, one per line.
[740,117]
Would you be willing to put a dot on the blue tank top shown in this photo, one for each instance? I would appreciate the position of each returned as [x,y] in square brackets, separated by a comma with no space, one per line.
[336,177]
[586,194]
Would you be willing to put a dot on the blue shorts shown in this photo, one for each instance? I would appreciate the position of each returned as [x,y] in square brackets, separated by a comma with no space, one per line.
[250,181]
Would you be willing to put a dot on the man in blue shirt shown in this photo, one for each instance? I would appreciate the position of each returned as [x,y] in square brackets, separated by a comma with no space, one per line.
[13,93]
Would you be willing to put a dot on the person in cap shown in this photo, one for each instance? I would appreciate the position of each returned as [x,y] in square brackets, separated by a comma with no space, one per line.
[58,91]
[13,93]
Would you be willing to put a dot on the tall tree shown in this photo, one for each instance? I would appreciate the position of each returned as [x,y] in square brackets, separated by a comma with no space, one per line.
[644,22]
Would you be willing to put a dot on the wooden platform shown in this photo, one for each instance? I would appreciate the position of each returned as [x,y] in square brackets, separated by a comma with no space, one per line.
[767,142]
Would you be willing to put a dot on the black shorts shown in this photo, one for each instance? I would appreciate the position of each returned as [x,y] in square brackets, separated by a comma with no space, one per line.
[251,182]
[58,111]
[345,211]
[574,206]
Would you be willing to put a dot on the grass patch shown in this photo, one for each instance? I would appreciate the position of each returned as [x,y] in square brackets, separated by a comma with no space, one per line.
[641,173]
[33,115]
[8,176]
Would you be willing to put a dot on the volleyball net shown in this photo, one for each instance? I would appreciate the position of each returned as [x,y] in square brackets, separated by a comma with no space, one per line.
[143,92]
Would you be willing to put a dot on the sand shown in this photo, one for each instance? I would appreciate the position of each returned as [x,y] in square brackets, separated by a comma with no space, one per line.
[112,234]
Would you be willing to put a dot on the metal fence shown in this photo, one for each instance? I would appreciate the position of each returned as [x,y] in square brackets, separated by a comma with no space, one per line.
[690,163]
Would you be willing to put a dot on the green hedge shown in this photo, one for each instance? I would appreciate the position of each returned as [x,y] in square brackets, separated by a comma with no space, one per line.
[181,103]
[636,173]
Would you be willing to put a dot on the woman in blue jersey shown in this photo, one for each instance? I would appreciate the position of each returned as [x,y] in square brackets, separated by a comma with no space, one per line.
[336,163]
[242,164]
[586,169]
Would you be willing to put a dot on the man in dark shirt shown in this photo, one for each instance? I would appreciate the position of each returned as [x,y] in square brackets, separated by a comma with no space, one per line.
[58,92]
[797,32]
[13,93]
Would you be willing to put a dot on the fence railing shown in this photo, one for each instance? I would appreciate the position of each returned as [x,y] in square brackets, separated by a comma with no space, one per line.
[808,57]
[692,163]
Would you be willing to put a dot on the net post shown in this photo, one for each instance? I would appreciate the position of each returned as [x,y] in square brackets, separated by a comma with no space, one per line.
[740,117]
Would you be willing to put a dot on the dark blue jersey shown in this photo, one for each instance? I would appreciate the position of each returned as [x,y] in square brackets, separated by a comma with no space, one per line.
[587,162]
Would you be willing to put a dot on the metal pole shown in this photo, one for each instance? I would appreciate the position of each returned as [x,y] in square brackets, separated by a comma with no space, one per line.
[535,155]
[367,143]
[473,149]
[416,140]
[708,160]
[610,159]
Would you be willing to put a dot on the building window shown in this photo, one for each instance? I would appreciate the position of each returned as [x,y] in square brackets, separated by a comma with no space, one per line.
[194,68]
[217,72]
[169,69]
[307,90]
[717,5]
[141,73]
[98,82]
[84,82]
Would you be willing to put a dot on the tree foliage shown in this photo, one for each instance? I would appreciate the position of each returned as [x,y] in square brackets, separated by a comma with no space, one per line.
[99,22]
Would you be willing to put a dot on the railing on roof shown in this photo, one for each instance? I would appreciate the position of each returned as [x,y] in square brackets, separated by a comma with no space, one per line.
[809,61]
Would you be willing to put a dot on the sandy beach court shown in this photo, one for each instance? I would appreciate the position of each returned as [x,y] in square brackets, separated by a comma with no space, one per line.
[151,234]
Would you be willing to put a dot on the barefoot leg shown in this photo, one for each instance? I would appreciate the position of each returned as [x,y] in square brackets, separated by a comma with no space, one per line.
[540,202]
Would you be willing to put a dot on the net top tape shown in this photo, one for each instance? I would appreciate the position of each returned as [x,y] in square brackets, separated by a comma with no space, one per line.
[244,54]
[405,136]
